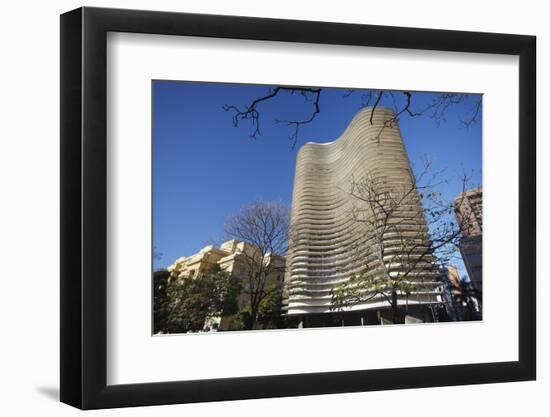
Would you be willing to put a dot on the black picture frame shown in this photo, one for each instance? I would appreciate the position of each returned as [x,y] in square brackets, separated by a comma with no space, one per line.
[84,207]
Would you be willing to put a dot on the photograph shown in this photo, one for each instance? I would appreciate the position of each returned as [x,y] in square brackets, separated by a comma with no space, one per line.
[293,207]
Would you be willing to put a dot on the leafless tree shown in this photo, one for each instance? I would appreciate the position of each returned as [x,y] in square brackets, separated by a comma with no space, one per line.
[408,235]
[264,226]
[402,102]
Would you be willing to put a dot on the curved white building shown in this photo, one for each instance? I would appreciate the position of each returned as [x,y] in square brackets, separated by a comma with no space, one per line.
[328,244]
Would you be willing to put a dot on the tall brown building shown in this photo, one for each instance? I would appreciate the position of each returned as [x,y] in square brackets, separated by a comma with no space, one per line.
[454,281]
[469,215]
[469,212]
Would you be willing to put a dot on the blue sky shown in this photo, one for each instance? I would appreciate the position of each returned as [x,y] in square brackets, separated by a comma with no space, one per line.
[205,169]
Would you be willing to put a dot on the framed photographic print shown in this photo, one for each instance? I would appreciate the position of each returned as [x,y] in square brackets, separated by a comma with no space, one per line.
[258,208]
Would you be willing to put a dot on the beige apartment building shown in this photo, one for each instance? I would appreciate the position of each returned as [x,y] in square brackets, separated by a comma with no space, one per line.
[232,257]
[330,245]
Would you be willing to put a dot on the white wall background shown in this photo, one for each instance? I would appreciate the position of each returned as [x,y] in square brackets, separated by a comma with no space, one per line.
[29,226]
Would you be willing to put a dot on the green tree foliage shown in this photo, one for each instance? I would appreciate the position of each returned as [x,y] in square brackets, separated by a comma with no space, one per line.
[269,314]
[160,300]
[362,287]
[191,301]
[243,318]
[270,308]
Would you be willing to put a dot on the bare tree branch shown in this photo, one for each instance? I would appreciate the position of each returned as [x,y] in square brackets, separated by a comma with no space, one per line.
[251,112]
[405,105]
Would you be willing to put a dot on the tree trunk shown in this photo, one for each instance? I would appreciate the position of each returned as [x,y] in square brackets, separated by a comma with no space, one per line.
[248,323]
[394,306]
[252,319]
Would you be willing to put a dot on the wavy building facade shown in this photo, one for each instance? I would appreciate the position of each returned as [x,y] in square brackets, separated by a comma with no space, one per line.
[329,244]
